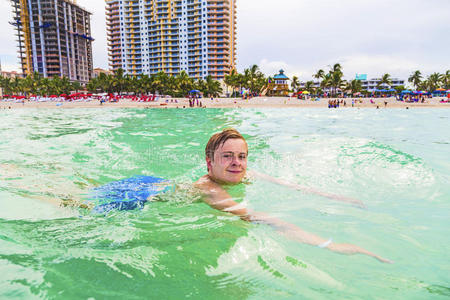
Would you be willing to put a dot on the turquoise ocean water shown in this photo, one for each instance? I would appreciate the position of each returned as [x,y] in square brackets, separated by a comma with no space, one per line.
[396,161]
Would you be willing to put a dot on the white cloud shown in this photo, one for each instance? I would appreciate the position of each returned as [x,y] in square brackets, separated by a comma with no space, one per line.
[271,68]
[373,37]
[377,65]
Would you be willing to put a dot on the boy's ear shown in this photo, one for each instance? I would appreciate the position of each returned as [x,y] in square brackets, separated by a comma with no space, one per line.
[208,163]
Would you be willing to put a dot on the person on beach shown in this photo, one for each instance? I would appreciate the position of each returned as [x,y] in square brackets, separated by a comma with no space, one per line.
[226,160]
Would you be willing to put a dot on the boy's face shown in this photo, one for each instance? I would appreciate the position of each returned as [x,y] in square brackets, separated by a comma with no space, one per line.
[230,162]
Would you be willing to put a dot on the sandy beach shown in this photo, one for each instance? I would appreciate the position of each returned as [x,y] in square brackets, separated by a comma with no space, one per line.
[258,102]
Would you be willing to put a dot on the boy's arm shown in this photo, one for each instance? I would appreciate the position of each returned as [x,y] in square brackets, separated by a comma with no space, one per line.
[219,199]
[307,189]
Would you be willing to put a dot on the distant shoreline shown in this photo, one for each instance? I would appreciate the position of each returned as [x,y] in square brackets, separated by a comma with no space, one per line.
[257,102]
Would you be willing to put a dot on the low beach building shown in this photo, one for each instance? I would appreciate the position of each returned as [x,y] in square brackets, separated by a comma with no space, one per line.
[98,71]
[372,84]
[11,75]
[278,86]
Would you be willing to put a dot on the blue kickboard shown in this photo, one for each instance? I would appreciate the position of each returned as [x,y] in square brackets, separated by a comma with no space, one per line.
[126,194]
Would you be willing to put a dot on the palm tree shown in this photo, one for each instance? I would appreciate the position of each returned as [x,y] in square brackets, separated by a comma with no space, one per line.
[332,80]
[354,86]
[17,85]
[7,85]
[184,83]
[445,79]
[295,84]
[415,79]
[385,81]
[326,82]
[434,81]
[319,75]
[230,80]
[35,82]
[399,88]
[212,87]
[254,70]
[337,68]
[309,86]
[76,86]
[146,83]
[200,85]
[120,81]
[253,79]
[161,83]
[336,80]
[134,84]
[45,87]
[27,84]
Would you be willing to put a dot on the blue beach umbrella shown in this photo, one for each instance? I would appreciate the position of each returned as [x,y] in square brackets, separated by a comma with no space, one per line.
[406,92]
[194,91]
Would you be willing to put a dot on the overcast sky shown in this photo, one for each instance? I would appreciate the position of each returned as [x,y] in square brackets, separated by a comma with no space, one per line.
[301,36]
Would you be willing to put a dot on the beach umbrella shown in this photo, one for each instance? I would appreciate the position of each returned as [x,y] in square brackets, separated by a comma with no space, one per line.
[53,96]
[306,92]
[440,90]
[194,91]
[406,92]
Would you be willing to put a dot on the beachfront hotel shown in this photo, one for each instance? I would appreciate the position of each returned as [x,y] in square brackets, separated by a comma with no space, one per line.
[371,85]
[148,36]
[54,38]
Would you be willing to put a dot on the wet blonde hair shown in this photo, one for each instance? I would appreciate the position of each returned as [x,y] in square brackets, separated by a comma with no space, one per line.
[219,139]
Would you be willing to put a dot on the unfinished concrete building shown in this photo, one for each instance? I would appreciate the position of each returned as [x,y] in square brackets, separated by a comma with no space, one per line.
[54,38]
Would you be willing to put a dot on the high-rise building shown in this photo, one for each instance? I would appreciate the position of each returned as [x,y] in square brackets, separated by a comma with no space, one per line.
[148,36]
[54,38]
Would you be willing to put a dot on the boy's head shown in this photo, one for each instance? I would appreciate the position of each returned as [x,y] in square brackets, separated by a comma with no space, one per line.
[226,156]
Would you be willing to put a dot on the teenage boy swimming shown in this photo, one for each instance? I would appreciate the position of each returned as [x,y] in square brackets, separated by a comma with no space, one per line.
[226,160]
